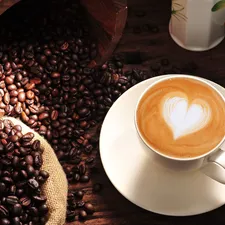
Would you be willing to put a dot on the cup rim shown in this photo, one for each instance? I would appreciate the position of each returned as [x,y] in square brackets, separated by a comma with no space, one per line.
[170,76]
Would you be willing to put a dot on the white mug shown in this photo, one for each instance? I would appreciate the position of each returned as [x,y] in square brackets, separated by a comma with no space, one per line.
[211,163]
[197,25]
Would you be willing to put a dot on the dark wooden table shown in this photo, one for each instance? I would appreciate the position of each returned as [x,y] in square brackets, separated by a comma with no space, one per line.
[149,47]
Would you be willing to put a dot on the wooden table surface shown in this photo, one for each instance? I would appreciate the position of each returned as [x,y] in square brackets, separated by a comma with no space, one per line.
[149,47]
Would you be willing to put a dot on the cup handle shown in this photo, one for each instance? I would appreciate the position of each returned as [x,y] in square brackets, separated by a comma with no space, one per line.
[214,166]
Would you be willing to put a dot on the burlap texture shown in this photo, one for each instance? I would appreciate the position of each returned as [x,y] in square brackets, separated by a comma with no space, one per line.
[56,186]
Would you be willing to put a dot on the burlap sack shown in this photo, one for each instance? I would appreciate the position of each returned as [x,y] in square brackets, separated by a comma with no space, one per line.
[56,186]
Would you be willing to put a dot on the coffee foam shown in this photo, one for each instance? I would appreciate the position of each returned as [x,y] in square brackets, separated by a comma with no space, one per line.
[181,117]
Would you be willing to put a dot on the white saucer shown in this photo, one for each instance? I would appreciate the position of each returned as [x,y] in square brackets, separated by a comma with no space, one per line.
[132,169]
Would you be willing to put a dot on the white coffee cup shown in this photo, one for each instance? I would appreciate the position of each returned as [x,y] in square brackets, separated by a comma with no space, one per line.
[211,163]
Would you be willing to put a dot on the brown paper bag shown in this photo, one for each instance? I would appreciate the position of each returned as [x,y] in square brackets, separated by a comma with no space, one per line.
[56,187]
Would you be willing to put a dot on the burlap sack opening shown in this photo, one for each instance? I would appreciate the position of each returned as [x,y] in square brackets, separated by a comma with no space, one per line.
[56,187]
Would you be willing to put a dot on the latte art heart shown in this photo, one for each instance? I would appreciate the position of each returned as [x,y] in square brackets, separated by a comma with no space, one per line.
[181,117]
[184,118]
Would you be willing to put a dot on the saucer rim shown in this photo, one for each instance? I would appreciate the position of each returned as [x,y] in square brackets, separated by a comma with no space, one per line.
[106,171]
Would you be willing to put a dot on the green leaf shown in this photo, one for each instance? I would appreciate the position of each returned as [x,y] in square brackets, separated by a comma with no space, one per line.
[218,5]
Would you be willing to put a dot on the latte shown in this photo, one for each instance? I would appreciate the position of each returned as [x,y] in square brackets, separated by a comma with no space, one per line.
[181,117]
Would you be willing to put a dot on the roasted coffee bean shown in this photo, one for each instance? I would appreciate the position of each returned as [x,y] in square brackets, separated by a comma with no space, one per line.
[24,218]
[29,159]
[40,199]
[89,208]
[24,151]
[29,86]
[13,100]
[16,175]
[5,221]
[1,125]
[11,87]
[28,136]
[30,170]
[54,115]
[43,116]
[33,211]
[84,178]
[79,194]
[9,80]
[16,161]
[25,201]
[13,93]
[24,117]
[33,108]
[89,160]
[24,174]
[33,184]
[82,169]
[83,112]
[17,210]
[16,221]
[36,145]
[82,214]
[2,187]
[2,105]
[14,138]
[76,177]
[6,98]
[21,96]
[55,75]
[44,174]
[43,209]
[37,161]
[29,101]
[70,216]
[12,190]
[3,211]
[9,146]
[18,108]
[80,204]
[12,200]
[30,94]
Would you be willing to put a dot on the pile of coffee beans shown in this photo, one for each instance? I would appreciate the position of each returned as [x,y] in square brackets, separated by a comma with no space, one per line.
[46,47]
[21,177]
[46,81]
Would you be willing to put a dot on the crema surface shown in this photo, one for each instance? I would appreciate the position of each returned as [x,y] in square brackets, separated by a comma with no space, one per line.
[182,117]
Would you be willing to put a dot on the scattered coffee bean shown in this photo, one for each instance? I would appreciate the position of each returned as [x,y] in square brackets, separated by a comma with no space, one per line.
[82,214]
[79,194]
[89,208]
[84,178]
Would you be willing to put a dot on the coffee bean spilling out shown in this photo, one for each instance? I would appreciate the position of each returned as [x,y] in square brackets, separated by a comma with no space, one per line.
[77,208]
[21,177]
[46,81]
